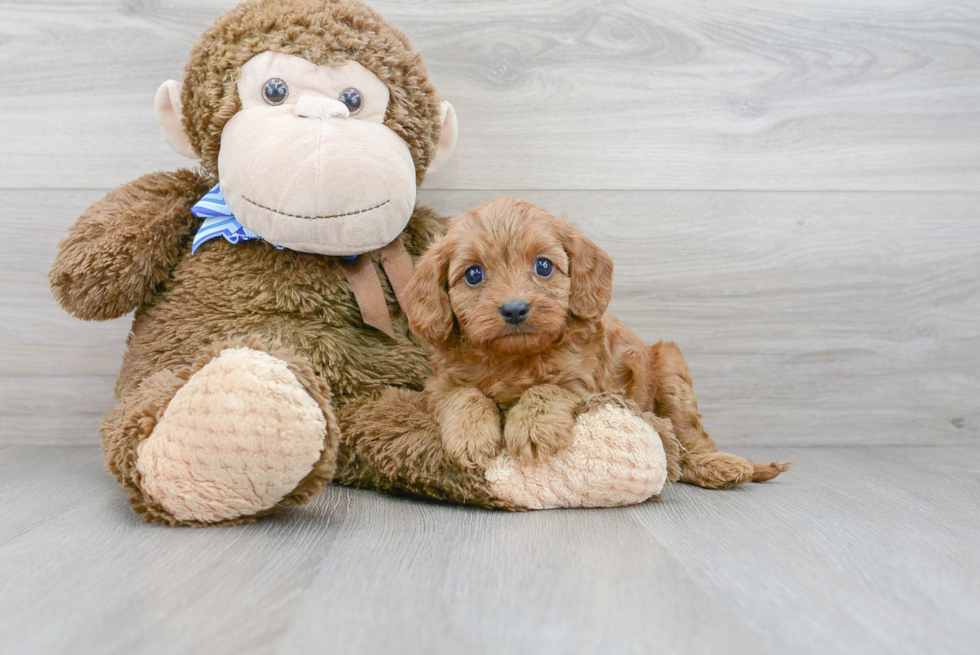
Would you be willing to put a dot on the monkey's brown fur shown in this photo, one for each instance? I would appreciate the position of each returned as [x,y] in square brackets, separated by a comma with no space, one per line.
[566,349]
[131,251]
[325,32]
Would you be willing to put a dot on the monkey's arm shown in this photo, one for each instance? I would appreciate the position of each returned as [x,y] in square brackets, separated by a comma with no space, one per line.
[393,443]
[125,244]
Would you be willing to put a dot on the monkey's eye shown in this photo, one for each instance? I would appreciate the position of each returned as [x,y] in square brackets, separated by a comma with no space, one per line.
[275,91]
[351,98]
[473,275]
[543,267]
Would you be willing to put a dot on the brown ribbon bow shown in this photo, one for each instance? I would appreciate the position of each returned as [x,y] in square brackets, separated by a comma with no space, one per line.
[366,285]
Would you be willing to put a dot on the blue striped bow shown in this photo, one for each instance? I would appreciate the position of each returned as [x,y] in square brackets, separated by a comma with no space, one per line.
[219,221]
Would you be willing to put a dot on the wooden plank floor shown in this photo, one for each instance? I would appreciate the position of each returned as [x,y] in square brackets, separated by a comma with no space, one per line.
[856,550]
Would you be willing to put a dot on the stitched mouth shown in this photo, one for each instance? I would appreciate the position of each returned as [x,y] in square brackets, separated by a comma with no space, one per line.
[317,218]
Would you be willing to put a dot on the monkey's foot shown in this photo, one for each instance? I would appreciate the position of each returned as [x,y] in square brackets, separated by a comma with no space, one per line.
[238,437]
[617,458]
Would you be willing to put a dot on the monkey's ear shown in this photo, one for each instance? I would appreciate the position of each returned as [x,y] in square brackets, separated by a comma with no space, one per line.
[168,107]
[447,138]
[591,271]
[430,315]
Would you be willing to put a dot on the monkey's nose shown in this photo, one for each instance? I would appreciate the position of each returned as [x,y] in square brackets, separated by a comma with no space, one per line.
[515,311]
[321,107]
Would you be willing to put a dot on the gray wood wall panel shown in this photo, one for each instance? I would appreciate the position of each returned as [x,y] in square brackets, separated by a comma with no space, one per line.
[581,94]
[826,293]
[807,318]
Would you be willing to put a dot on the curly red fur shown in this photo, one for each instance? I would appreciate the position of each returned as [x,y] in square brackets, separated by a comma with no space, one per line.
[567,341]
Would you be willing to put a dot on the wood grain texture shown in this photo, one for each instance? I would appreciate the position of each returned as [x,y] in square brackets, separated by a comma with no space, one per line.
[552,94]
[869,550]
[854,551]
[479,582]
[807,318]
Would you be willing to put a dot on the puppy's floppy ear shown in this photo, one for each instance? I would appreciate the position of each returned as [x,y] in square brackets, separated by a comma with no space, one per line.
[591,271]
[430,316]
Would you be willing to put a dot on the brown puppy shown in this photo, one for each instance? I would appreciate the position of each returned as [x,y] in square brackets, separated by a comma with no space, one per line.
[514,300]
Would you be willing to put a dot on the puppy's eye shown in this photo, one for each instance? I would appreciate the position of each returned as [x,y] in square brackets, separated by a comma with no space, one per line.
[473,275]
[275,91]
[543,267]
[351,98]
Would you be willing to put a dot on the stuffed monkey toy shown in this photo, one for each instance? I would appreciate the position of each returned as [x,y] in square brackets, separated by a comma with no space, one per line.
[269,354]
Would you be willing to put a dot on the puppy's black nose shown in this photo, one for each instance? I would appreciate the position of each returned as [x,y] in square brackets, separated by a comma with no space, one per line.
[515,311]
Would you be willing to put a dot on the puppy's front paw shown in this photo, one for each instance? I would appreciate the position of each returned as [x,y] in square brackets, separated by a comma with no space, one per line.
[536,442]
[539,425]
[615,459]
[474,448]
[469,423]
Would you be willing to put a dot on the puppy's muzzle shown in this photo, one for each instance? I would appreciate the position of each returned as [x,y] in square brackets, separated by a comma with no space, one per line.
[515,311]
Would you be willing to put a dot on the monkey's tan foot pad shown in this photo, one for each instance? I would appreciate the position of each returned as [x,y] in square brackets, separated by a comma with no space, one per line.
[234,440]
[616,459]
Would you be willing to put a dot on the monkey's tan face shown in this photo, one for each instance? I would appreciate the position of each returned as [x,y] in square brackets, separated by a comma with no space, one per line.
[308,162]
